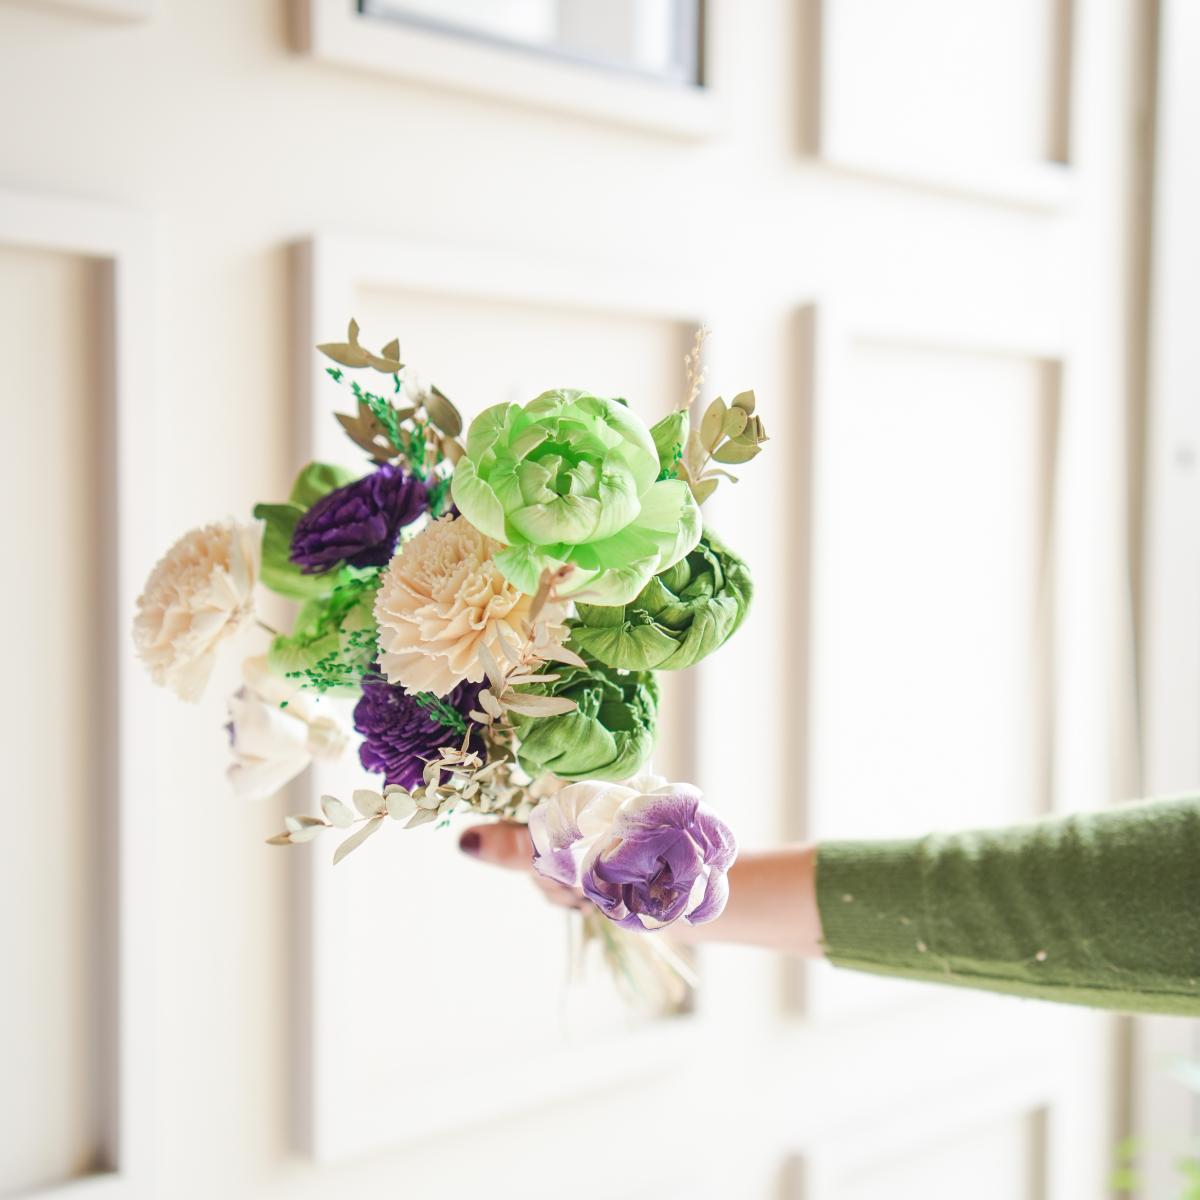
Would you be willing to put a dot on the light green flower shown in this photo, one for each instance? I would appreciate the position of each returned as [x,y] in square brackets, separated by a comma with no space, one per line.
[670,436]
[608,735]
[573,478]
[678,618]
[334,639]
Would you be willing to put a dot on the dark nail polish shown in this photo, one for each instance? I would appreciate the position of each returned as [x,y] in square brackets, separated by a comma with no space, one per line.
[470,842]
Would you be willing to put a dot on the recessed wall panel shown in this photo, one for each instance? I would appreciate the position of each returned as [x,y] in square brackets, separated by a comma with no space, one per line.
[410,918]
[52,1003]
[998,1161]
[933,478]
[968,95]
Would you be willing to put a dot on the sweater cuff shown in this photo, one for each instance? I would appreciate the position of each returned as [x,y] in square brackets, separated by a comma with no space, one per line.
[871,897]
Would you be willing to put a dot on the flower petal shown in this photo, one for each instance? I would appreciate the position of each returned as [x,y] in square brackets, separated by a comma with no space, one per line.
[611,586]
[671,517]
[485,429]
[522,566]
[619,503]
[568,519]
[566,825]
[477,502]
[712,903]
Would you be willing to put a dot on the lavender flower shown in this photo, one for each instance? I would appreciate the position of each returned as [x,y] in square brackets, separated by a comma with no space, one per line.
[400,735]
[645,853]
[360,523]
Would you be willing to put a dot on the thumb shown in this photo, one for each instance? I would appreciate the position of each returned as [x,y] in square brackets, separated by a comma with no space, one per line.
[506,844]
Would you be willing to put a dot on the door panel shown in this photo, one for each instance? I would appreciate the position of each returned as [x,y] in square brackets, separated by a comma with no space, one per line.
[50,870]
[474,949]
[930,675]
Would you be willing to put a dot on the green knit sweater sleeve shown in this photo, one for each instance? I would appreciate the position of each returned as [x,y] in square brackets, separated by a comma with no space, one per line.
[1102,908]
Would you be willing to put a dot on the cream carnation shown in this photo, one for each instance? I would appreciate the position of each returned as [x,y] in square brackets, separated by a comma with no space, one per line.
[199,593]
[441,599]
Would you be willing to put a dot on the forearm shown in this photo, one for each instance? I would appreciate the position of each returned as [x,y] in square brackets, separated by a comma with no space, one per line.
[772,903]
[1098,908]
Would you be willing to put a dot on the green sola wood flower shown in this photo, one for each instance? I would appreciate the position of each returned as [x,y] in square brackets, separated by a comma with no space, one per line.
[677,619]
[572,478]
[608,735]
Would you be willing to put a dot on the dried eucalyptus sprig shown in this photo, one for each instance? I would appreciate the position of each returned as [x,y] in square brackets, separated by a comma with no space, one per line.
[456,775]
[728,434]
[350,354]
[423,433]
[374,426]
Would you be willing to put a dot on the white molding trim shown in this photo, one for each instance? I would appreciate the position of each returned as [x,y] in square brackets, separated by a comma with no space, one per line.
[821,1174]
[328,1123]
[949,1074]
[335,31]
[114,10]
[1045,184]
[118,240]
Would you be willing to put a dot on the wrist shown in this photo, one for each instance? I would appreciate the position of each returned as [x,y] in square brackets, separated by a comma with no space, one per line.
[772,903]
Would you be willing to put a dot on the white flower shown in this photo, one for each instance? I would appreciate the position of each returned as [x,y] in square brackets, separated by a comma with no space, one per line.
[276,730]
[199,593]
[441,599]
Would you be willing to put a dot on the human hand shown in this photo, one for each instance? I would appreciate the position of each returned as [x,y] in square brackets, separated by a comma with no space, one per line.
[507,844]
[772,897]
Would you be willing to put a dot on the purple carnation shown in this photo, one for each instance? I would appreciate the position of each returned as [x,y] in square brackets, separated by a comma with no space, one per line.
[644,859]
[399,735]
[360,523]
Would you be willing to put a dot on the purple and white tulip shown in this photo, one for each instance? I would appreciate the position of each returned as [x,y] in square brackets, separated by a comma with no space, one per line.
[645,853]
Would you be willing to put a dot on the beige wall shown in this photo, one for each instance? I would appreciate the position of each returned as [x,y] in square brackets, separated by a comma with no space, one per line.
[234,146]
[49,871]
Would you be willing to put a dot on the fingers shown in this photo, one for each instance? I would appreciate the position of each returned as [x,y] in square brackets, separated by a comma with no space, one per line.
[504,845]
[507,845]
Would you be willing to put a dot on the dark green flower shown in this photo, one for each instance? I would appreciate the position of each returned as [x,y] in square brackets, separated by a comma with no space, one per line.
[609,735]
[677,619]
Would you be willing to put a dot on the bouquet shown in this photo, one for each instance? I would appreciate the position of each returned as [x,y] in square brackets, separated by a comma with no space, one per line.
[488,612]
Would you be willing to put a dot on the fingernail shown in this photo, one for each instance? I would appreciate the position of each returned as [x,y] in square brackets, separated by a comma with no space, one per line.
[470,842]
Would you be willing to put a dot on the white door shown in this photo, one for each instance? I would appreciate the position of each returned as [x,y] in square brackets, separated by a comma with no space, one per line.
[905,221]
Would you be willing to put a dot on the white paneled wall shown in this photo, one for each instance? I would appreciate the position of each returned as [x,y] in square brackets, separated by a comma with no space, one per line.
[924,629]
[51,940]
[78,941]
[945,1168]
[936,325]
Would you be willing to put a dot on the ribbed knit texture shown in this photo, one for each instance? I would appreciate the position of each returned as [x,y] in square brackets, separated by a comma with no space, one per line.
[1101,908]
